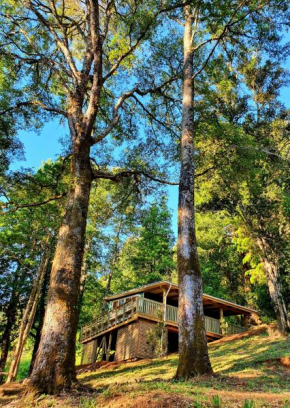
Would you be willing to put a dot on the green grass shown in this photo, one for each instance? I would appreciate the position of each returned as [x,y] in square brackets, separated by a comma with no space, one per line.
[249,374]
[24,364]
[247,365]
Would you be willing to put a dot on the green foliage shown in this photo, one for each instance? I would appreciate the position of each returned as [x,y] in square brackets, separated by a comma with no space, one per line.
[156,337]
[147,255]
[249,404]
[216,401]
[86,402]
[24,230]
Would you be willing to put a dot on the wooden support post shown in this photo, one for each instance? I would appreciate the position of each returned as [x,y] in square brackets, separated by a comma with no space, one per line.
[124,311]
[94,357]
[104,351]
[164,303]
[109,347]
[222,320]
[164,296]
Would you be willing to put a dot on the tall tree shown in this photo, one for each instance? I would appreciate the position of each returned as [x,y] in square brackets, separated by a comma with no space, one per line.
[193,353]
[224,31]
[73,49]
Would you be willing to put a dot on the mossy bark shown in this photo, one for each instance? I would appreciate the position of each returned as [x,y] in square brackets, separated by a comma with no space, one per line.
[193,353]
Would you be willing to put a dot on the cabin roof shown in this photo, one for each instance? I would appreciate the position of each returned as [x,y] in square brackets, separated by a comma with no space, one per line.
[208,300]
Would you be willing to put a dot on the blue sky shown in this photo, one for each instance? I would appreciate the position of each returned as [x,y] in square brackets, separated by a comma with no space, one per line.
[46,145]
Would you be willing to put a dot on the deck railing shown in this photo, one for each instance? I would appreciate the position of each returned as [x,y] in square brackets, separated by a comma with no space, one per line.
[150,308]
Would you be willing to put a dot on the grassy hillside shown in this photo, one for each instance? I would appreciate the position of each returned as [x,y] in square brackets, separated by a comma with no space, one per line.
[251,371]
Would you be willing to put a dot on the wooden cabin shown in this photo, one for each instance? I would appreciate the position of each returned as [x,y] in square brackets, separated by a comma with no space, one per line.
[122,332]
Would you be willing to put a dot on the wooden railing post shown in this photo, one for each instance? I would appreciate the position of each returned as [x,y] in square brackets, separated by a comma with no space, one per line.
[222,321]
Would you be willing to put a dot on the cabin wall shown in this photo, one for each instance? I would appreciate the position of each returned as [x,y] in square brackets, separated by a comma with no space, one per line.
[145,350]
[132,341]
[127,342]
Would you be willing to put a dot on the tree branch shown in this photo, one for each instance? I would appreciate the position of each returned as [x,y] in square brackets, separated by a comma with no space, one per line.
[223,33]
[60,42]
[33,103]
[32,204]
[129,173]
[120,102]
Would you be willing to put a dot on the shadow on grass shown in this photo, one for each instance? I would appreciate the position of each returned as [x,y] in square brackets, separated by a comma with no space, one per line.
[102,374]
[252,356]
[248,354]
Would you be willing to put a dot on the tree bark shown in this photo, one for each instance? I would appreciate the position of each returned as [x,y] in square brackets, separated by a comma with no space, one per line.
[10,321]
[40,313]
[274,285]
[54,367]
[84,274]
[193,352]
[29,314]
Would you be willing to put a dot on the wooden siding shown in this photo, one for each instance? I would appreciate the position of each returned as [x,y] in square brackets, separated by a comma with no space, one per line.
[127,342]
[144,349]
[132,341]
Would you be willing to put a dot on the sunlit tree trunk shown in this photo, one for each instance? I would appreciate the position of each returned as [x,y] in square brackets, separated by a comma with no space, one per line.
[193,353]
[274,286]
[29,314]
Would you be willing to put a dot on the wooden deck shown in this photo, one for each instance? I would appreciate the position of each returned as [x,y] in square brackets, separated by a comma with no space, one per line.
[151,310]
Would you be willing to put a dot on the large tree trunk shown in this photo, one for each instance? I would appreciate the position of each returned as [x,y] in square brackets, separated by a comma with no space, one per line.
[193,353]
[54,367]
[10,322]
[29,314]
[274,285]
